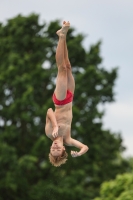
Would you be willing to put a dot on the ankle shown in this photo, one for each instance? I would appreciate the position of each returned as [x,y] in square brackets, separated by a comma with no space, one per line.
[62,35]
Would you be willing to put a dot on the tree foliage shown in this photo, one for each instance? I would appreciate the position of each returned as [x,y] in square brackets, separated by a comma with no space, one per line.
[120,188]
[27,81]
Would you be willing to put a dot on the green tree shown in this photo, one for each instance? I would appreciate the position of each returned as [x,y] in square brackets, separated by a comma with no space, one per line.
[27,75]
[121,188]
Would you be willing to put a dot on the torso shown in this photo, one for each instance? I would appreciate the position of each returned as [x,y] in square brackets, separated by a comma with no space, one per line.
[63,116]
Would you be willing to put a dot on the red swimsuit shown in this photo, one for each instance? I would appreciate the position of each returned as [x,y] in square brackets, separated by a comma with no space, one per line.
[68,99]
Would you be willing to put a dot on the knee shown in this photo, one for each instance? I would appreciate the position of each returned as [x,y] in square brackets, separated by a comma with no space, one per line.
[68,66]
[62,68]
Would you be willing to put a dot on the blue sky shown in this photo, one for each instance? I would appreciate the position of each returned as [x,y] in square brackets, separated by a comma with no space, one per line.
[110,21]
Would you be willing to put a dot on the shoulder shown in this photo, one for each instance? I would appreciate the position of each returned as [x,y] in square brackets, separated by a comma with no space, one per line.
[49,136]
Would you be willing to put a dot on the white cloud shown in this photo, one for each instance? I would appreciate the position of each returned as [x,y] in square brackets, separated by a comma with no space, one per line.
[119,118]
[128,143]
[121,110]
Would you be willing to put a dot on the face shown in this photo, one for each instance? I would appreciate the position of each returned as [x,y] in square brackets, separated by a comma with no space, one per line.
[57,148]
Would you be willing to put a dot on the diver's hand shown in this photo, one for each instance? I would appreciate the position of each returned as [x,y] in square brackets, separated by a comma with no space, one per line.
[74,154]
[55,132]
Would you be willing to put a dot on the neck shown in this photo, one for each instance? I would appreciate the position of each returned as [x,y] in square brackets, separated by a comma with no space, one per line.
[59,138]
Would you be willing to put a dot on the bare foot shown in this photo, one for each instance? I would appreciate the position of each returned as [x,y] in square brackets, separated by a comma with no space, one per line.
[64,28]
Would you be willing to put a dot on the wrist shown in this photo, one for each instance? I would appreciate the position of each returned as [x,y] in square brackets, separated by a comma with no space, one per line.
[79,154]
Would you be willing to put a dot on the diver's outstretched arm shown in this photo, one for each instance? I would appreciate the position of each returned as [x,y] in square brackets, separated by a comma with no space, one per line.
[83,148]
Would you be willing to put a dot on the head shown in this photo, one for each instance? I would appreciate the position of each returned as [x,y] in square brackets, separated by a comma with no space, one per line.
[58,154]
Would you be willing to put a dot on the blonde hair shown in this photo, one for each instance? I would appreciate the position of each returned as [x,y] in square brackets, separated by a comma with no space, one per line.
[58,160]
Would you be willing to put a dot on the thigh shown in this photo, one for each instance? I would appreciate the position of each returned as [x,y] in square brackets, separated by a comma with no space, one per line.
[61,85]
[70,81]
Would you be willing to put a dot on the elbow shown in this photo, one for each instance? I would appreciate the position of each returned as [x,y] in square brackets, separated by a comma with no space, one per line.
[49,110]
[87,148]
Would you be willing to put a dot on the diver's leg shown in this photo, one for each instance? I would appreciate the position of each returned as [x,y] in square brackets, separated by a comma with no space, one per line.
[61,83]
[70,78]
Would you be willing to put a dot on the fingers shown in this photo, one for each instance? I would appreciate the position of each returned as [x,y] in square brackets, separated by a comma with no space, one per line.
[55,134]
[74,153]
